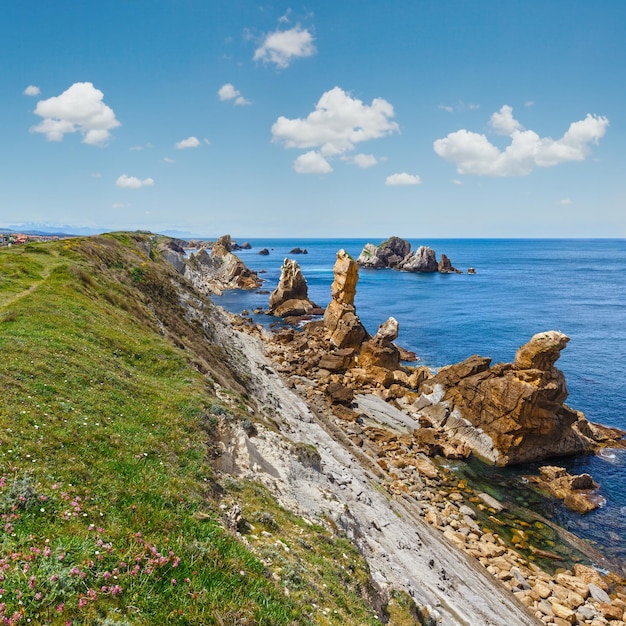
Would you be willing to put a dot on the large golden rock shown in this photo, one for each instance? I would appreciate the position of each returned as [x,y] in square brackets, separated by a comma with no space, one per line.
[340,318]
[290,298]
[518,406]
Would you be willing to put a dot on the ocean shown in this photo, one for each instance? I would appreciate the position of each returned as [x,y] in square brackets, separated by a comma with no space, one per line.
[521,287]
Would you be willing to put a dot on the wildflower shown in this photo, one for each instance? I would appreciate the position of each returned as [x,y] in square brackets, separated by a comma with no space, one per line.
[173,581]
[60,608]
[82,601]
[47,551]
[54,578]
[38,596]
[32,582]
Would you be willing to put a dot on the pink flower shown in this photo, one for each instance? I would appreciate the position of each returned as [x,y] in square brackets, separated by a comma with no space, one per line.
[32,582]
[60,608]
[173,581]
[82,602]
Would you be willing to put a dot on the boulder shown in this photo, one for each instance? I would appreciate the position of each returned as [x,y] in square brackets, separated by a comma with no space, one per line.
[577,491]
[298,250]
[290,298]
[263,252]
[380,351]
[340,318]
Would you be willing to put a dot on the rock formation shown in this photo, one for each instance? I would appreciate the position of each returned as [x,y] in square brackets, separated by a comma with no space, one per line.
[395,253]
[389,253]
[290,298]
[211,272]
[445,266]
[380,351]
[577,492]
[422,260]
[510,412]
[340,319]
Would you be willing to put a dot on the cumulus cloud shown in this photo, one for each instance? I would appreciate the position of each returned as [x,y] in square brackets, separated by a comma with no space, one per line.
[228,92]
[474,154]
[364,160]
[283,46]
[337,124]
[190,142]
[403,179]
[312,162]
[32,90]
[78,109]
[132,182]
[503,122]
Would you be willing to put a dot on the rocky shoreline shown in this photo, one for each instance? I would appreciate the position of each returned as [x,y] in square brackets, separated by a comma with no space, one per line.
[347,393]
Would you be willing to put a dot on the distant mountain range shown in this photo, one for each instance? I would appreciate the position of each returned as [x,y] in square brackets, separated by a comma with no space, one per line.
[32,228]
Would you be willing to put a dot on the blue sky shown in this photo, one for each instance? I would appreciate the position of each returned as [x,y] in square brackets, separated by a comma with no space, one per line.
[420,118]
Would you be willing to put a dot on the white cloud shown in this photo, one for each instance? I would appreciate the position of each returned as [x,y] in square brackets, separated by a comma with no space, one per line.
[228,92]
[132,182]
[312,162]
[566,202]
[190,142]
[78,109]
[473,153]
[364,160]
[403,179]
[32,90]
[503,122]
[119,205]
[282,46]
[460,106]
[456,181]
[168,160]
[336,125]
[529,103]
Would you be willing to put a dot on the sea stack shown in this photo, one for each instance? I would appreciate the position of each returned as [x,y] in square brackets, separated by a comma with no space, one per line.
[290,298]
[340,318]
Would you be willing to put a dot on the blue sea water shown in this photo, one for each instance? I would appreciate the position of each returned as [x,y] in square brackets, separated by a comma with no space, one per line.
[521,287]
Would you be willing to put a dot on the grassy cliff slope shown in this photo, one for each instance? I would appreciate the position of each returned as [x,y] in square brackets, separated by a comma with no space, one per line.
[109,419]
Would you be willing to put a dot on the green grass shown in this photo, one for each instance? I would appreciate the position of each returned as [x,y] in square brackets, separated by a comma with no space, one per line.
[108,425]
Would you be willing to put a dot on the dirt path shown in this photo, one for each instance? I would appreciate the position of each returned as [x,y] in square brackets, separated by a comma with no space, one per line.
[7,302]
